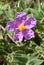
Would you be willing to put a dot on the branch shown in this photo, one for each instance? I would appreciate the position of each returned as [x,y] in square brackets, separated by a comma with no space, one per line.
[42,20]
[1,27]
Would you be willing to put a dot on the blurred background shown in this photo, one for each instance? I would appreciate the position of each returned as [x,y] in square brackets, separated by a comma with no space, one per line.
[29,52]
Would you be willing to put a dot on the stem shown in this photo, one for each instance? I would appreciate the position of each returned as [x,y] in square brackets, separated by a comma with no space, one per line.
[1,27]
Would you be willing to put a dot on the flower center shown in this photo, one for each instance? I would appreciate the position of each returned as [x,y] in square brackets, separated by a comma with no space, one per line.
[21,27]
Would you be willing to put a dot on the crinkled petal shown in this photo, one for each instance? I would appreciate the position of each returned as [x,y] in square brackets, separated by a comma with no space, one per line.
[27,27]
[18,36]
[28,34]
[30,23]
[20,16]
[10,26]
[15,36]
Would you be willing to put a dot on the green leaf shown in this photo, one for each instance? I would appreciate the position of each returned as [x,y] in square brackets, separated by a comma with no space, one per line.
[34,60]
[10,14]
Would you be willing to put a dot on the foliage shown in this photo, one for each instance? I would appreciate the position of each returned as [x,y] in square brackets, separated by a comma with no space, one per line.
[28,52]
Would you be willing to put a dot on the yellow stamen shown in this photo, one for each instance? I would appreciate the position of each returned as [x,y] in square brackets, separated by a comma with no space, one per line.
[21,27]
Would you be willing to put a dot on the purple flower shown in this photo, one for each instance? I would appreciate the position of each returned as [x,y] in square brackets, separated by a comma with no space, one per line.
[22,26]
